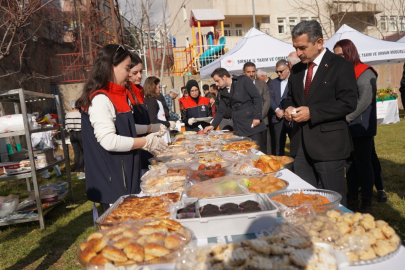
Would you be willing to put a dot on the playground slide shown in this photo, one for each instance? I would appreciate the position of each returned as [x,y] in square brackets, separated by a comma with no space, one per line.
[208,56]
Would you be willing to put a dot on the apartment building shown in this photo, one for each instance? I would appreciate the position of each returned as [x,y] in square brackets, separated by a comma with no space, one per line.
[377,18]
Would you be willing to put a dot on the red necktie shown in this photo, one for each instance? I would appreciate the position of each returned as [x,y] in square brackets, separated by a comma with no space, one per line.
[308,79]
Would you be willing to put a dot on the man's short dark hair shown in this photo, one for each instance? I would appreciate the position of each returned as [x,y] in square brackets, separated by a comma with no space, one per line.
[211,95]
[281,62]
[248,64]
[220,72]
[206,87]
[183,88]
[214,86]
[312,28]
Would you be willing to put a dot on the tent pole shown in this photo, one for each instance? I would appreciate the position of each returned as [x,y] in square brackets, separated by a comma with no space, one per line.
[253,11]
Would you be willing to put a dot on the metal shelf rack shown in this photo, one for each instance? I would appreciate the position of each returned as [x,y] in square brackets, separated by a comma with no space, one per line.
[22,97]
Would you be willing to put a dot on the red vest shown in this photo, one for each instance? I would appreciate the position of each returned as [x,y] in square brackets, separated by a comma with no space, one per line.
[360,68]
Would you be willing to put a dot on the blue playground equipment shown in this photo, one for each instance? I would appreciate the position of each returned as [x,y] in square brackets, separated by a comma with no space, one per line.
[209,55]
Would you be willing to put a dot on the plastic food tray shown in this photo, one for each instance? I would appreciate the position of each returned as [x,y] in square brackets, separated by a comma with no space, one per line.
[100,224]
[169,258]
[378,258]
[235,224]
[285,166]
[332,196]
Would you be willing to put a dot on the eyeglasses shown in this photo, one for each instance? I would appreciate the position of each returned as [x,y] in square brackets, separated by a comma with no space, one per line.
[280,71]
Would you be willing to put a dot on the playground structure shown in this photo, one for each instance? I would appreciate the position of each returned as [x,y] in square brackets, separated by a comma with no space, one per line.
[188,61]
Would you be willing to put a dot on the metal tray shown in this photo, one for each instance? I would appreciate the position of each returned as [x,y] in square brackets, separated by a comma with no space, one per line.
[380,259]
[100,221]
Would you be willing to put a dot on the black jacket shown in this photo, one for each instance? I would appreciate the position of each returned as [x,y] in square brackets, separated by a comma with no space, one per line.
[246,104]
[332,95]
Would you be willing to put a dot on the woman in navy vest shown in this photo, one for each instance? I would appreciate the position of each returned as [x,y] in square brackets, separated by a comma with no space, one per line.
[110,141]
[363,128]
[195,106]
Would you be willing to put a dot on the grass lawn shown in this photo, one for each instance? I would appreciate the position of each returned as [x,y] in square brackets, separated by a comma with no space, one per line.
[25,246]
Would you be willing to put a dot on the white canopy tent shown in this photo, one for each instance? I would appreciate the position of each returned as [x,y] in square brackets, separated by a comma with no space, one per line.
[372,51]
[256,47]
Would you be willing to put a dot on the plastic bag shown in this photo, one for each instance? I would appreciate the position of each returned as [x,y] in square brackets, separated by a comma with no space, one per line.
[158,171]
[245,167]
[13,122]
[216,187]
[164,183]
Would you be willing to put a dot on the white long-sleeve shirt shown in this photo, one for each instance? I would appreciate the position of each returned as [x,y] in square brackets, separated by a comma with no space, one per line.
[102,118]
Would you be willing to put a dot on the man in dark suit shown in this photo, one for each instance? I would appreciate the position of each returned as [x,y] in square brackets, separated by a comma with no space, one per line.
[402,88]
[249,69]
[241,96]
[278,93]
[261,74]
[323,91]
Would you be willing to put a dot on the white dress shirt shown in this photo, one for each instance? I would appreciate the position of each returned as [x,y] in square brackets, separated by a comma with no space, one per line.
[317,62]
[283,85]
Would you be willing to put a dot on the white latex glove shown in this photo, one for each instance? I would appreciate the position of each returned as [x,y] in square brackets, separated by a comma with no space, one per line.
[160,129]
[191,121]
[154,144]
[172,125]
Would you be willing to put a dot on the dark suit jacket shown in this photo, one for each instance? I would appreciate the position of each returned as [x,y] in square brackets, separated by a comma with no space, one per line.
[264,93]
[269,82]
[332,95]
[246,104]
[277,101]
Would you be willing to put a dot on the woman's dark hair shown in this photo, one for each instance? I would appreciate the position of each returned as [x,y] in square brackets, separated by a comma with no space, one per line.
[109,56]
[349,51]
[149,87]
[135,59]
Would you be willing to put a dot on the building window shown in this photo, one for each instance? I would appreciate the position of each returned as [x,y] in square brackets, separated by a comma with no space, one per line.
[227,29]
[292,22]
[184,13]
[281,25]
[383,23]
[401,24]
[304,19]
[266,19]
[239,29]
[392,24]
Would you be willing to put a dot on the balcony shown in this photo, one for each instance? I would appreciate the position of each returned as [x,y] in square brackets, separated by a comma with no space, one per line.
[340,8]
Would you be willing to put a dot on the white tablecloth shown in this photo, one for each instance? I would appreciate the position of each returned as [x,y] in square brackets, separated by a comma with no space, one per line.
[295,183]
[387,112]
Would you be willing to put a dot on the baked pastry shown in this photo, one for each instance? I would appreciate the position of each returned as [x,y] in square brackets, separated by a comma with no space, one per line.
[114,254]
[95,235]
[156,250]
[87,254]
[99,260]
[123,242]
[101,243]
[130,233]
[174,241]
[155,238]
[152,229]
[135,252]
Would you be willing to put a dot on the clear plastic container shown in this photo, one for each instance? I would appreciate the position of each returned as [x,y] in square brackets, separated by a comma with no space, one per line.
[44,192]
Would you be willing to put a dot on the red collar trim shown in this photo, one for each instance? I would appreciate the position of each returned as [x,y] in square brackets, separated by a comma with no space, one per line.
[360,68]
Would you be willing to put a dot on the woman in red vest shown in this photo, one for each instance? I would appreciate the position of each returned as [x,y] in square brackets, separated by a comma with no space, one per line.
[110,137]
[195,106]
[363,166]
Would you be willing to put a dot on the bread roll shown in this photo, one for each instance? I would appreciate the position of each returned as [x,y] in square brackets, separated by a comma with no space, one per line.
[87,254]
[116,237]
[101,243]
[155,238]
[114,254]
[149,257]
[174,240]
[130,233]
[126,263]
[156,250]
[123,242]
[115,230]
[99,260]
[171,224]
[152,229]
[135,252]
[95,235]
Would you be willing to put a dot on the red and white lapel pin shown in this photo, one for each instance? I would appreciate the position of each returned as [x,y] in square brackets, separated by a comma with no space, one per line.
[326,65]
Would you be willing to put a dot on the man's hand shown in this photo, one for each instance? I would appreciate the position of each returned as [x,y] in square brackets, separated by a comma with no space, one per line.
[255,122]
[280,113]
[208,129]
[302,114]
[287,113]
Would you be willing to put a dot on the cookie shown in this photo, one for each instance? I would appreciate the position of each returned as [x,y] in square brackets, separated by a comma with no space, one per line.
[382,248]
[380,224]
[302,257]
[367,254]
[297,242]
[388,231]
[259,263]
[367,223]
[378,234]
[259,245]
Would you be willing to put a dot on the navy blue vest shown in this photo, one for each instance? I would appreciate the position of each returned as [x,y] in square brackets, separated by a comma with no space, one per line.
[110,175]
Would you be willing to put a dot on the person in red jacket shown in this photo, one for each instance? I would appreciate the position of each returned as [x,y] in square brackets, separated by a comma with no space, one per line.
[195,107]
[185,95]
